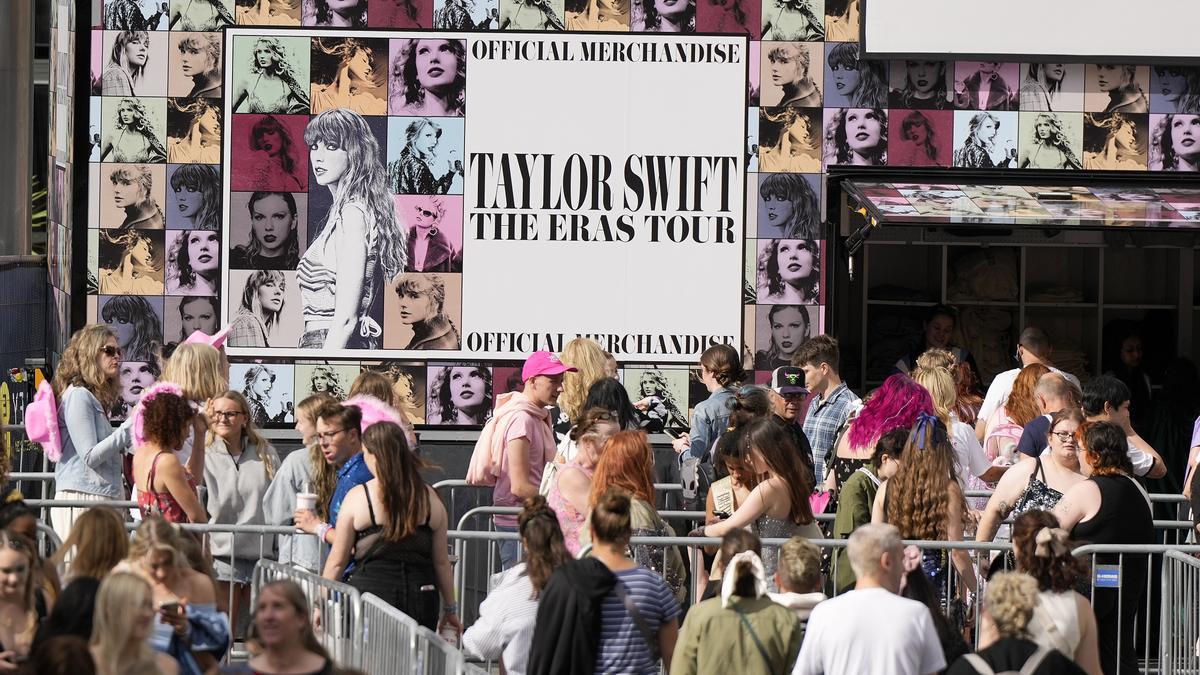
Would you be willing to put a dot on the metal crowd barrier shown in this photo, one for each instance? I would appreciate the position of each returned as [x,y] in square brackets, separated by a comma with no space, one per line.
[337,608]
[366,633]
[1180,622]
[1176,637]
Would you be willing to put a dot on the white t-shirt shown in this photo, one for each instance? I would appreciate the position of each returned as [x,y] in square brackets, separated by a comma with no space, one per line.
[1001,387]
[845,635]
[968,453]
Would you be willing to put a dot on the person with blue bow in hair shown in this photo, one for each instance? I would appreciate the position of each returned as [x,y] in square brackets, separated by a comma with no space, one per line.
[924,501]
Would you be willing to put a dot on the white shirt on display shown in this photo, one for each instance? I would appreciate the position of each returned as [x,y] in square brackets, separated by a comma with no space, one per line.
[846,635]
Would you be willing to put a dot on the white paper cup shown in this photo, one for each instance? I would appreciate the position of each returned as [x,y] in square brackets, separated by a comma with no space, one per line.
[306,500]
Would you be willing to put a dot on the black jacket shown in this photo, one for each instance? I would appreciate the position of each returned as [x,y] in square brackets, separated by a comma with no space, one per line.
[567,631]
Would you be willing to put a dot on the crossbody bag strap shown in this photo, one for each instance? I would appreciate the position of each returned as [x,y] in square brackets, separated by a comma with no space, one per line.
[1035,660]
[979,664]
[643,628]
[754,636]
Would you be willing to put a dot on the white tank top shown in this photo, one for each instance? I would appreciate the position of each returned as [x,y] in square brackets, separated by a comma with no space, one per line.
[1055,622]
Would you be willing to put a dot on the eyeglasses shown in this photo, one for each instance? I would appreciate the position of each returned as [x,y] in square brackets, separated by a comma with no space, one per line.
[793,397]
[424,212]
[226,414]
[1063,436]
[111,352]
[328,436]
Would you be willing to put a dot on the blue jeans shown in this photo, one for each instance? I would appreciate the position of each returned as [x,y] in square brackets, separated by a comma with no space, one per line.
[509,548]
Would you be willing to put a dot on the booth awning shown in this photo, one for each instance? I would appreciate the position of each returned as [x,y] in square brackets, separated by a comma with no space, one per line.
[1041,206]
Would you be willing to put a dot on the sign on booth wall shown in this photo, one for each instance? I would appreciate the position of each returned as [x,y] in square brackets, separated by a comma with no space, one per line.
[427,195]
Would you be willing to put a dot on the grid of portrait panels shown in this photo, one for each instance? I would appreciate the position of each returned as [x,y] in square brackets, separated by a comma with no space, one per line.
[328,134]
[157,111]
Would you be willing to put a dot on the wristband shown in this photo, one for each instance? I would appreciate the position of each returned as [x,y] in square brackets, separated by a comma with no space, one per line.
[449,608]
[322,530]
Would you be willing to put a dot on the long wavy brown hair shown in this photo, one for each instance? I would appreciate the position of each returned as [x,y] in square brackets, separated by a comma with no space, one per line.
[402,492]
[1022,407]
[80,365]
[918,496]
[782,458]
[627,463]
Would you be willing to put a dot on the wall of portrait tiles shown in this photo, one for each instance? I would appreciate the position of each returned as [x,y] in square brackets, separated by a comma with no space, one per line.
[159,81]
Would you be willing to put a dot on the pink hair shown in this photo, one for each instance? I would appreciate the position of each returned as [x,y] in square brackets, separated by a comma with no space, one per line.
[894,405]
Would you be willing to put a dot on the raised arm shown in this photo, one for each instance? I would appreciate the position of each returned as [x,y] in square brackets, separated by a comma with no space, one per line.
[754,506]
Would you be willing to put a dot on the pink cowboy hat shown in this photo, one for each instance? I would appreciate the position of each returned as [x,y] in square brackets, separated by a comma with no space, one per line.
[41,422]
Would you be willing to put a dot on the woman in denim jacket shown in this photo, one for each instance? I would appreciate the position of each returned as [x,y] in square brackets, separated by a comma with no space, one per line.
[87,387]
[720,371]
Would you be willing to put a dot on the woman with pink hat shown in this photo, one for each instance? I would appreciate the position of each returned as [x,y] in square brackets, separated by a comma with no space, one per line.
[86,449]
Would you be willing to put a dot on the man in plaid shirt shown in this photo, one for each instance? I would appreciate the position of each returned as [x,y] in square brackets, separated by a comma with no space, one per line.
[834,402]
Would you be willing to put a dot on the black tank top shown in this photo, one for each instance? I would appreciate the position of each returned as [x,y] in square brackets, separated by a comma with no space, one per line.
[1124,516]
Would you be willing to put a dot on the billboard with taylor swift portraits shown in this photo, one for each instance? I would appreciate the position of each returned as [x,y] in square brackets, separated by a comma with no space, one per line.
[385,198]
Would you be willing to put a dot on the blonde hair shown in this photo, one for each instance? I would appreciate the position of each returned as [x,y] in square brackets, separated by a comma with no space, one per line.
[156,534]
[799,566]
[120,595]
[936,358]
[1011,598]
[196,368]
[940,384]
[586,355]
[249,433]
[375,384]
[96,543]
[80,365]
[324,475]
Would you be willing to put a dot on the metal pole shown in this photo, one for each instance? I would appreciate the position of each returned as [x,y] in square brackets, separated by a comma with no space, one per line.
[16,112]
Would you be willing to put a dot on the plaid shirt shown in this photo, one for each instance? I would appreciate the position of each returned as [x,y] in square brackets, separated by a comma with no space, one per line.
[825,416]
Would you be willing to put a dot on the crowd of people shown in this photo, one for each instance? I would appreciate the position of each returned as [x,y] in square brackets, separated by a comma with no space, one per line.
[571,450]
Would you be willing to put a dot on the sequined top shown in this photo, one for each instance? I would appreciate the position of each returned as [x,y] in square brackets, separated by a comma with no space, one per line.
[767,527]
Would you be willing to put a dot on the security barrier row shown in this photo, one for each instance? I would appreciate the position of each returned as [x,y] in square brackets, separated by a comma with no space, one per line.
[364,632]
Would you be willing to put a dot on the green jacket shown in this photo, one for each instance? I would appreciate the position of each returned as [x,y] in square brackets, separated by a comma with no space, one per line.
[714,640]
[853,509]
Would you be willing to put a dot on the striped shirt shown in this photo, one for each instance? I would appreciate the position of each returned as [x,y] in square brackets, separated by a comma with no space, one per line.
[622,649]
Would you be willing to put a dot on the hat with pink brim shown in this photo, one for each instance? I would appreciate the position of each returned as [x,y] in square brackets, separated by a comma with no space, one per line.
[41,422]
[215,341]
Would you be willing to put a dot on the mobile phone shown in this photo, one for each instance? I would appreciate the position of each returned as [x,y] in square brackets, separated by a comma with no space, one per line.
[721,514]
[169,607]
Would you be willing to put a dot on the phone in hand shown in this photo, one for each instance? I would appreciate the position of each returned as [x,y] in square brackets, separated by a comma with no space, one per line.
[169,607]
[721,514]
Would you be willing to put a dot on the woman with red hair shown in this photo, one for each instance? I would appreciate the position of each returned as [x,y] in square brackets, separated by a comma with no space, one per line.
[628,463]
[894,405]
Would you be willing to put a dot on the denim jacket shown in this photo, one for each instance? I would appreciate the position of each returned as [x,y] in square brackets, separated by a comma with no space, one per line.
[710,418]
[91,458]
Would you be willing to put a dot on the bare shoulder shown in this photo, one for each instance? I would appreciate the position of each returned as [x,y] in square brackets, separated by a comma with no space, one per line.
[166,664]
[202,589]
[438,515]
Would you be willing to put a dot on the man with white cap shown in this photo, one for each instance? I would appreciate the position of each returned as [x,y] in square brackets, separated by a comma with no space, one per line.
[527,439]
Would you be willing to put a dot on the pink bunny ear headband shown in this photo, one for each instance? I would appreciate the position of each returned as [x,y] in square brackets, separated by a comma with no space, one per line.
[139,411]
[375,411]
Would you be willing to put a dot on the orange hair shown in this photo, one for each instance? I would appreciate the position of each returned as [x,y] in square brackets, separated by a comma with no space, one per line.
[626,462]
[1022,407]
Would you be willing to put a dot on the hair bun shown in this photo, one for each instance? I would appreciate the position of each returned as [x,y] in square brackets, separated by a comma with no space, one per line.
[616,501]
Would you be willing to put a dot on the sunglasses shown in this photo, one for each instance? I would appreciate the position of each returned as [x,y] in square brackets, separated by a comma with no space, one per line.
[425,212]
[111,352]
